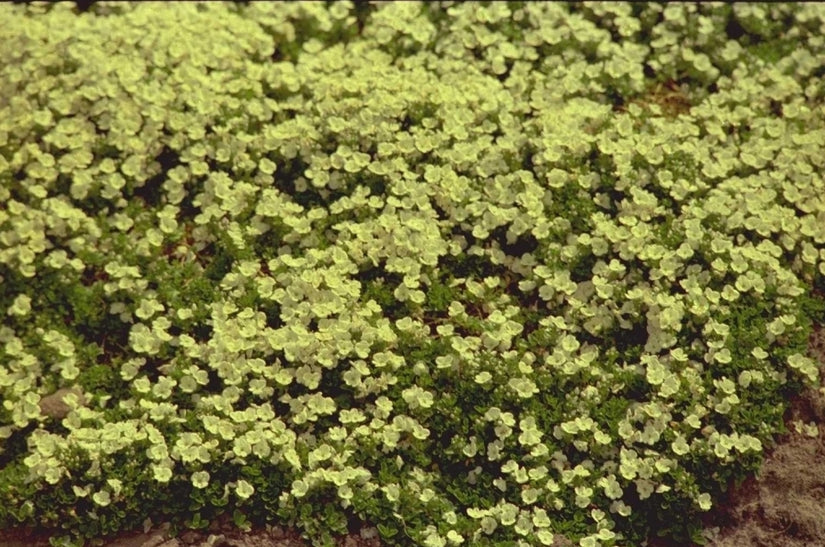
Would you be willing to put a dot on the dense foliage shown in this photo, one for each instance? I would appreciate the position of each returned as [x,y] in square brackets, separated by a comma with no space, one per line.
[493,273]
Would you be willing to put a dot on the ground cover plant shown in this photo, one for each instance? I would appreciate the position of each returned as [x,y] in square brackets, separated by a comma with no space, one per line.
[482,273]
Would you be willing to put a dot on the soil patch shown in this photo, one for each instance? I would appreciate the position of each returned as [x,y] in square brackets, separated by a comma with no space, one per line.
[222,533]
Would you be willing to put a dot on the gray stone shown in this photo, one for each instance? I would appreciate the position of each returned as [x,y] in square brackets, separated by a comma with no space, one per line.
[54,406]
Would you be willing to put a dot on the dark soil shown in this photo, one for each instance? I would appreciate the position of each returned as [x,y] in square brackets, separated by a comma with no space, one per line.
[222,533]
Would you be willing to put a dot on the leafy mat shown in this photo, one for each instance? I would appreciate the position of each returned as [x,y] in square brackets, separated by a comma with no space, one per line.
[484,273]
